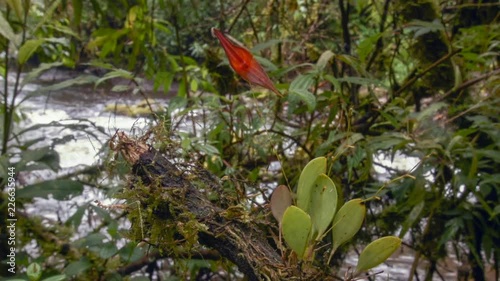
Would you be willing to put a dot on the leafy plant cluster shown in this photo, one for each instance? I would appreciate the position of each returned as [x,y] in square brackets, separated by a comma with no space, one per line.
[306,224]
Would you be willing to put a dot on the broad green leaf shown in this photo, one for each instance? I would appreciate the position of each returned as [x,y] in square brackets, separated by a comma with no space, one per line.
[131,252]
[281,199]
[76,219]
[431,110]
[323,204]
[412,217]
[158,25]
[262,46]
[17,6]
[77,267]
[93,239]
[32,155]
[6,30]
[347,222]
[80,80]
[60,189]
[422,27]
[308,176]
[38,159]
[121,88]
[117,73]
[30,76]
[34,271]
[47,15]
[296,227]
[207,149]
[367,46]
[306,96]
[266,64]
[108,250]
[299,91]
[28,49]
[324,59]
[354,62]
[302,82]
[377,252]
[332,79]
[163,79]
[496,212]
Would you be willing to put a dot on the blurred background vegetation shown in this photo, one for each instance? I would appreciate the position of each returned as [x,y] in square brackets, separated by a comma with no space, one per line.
[366,83]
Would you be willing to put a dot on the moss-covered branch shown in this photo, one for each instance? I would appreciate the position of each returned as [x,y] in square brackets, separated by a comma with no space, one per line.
[175,212]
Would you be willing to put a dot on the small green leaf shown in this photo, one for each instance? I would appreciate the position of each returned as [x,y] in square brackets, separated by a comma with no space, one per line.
[281,199]
[182,91]
[367,45]
[308,176]
[108,250]
[6,30]
[33,74]
[347,222]
[118,73]
[79,80]
[296,227]
[377,252]
[34,271]
[77,267]
[207,149]
[324,59]
[306,96]
[28,49]
[299,89]
[121,88]
[412,217]
[17,6]
[76,219]
[323,204]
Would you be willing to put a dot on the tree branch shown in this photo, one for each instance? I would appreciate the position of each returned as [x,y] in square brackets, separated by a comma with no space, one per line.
[232,231]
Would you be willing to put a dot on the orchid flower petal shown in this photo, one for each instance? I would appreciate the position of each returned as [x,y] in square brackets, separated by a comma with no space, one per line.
[243,62]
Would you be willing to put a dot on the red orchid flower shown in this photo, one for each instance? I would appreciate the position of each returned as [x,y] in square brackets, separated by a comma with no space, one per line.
[243,62]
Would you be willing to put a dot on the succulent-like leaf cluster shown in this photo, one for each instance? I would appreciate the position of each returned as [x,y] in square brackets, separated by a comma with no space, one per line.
[315,213]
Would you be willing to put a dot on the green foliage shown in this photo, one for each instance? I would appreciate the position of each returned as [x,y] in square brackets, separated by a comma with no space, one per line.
[347,222]
[307,181]
[324,200]
[296,228]
[377,252]
[302,229]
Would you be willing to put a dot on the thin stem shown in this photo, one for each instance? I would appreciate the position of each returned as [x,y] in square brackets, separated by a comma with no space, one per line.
[6,119]
[421,74]
[238,15]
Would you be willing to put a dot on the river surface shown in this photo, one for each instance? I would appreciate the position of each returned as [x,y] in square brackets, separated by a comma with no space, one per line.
[87,105]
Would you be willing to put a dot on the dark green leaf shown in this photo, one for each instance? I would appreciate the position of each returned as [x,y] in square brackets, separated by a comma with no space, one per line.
[77,267]
[59,189]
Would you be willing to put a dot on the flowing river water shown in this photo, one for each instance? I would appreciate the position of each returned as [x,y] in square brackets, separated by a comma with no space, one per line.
[76,104]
